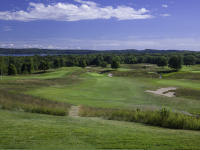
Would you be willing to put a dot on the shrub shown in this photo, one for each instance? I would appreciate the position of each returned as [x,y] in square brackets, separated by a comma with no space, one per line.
[162,118]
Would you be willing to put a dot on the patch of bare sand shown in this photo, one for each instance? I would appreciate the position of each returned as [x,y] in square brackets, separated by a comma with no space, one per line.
[168,92]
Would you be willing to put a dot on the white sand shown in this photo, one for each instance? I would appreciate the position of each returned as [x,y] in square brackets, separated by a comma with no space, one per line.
[110,75]
[164,91]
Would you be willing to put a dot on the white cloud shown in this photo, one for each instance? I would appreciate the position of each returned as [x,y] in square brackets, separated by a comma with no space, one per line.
[83,10]
[95,44]
[164,5]
[165,15]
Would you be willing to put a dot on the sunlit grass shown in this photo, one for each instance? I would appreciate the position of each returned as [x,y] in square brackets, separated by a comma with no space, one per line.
[32,131]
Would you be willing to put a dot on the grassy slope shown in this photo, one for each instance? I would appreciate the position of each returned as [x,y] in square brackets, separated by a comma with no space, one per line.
[24,130]
[50,74]
[102,91]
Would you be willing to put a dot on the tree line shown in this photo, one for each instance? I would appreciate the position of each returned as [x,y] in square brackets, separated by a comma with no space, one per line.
[12,65]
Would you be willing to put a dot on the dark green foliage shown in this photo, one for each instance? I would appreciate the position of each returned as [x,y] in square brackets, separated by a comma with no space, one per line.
[44,65]
[175,62]
[162,118]
[98,60]
[104,64]
[30,67]
[56,63]
[12,70]
[61,62]
[82,63]
[29,64]
[108,59]
[24,69]
[27,68]
[115,64]
[3,67]
[130,60]
[162,61]
[189,60]
[71,61]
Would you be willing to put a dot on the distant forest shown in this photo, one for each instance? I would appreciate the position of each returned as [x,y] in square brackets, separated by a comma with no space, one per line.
[30,60]
[35,51]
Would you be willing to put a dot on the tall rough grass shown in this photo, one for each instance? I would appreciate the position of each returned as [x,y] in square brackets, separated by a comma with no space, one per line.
[21,102]
[162,118]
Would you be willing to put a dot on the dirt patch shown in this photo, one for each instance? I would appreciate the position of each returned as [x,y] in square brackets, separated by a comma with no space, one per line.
[74,111]
[168,92]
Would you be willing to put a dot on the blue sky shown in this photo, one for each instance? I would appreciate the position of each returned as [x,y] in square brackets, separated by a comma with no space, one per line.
[100,24]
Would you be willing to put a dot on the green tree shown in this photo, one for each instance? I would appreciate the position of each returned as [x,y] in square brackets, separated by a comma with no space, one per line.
[12,70]
[189,60]
[98,60]
[44,65]
[115,64]
[104,64]
[30,67]
[130,60]
[62,63]
[24,68]
[82,63]
[3,67]
[175,62]
[162,61]
[56,63]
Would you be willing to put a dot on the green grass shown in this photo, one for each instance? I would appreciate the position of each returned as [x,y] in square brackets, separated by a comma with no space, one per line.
[99,90]
[187,72]
[75,86]
[163,117]
[191,68]
[12,98]
[188,93]
[179,83]
[31,131]
[23,130]
[50,74]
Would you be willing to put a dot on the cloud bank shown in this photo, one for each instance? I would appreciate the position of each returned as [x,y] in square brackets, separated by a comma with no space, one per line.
[108,44]
[81,10]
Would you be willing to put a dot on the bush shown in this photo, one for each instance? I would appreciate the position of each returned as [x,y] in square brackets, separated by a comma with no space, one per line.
[162,118]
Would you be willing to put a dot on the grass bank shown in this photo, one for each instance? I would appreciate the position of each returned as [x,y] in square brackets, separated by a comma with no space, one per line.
[21,102]
[163,118]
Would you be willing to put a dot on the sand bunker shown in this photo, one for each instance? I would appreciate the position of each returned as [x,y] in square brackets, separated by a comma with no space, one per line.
[164,91]
[110,75]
